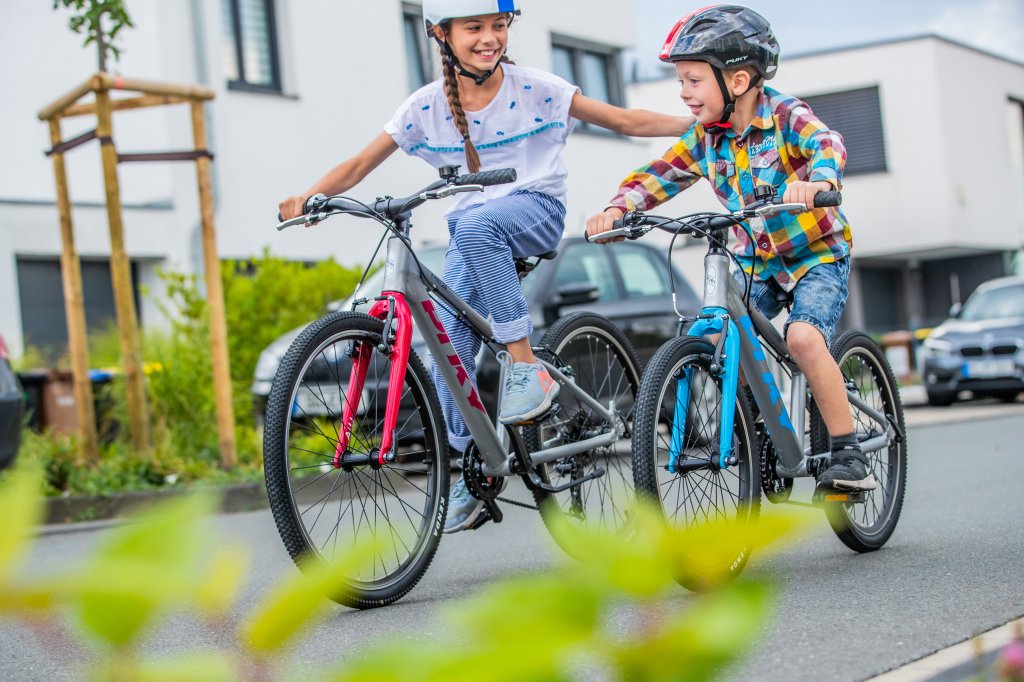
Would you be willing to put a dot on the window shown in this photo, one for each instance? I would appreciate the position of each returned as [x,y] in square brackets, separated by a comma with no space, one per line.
[642,273]
[250,45]
[418,47]
[857,114]
[593,67]
[41,296]
[582,263]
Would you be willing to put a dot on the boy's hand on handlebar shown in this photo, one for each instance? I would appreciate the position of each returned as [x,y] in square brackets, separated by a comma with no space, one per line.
[293,206]
[603,222]
[802,192]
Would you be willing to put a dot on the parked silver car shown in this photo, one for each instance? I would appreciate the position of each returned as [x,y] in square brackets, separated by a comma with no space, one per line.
[980,348]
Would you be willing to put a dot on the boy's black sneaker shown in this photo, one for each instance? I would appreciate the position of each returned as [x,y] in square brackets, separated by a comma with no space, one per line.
[848,470]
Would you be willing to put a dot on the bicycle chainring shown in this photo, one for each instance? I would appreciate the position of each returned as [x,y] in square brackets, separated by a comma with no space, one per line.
[480,486]
[776,488]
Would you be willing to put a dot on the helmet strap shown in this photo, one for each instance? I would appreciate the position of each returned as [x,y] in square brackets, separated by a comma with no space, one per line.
[450,57]
[730,101]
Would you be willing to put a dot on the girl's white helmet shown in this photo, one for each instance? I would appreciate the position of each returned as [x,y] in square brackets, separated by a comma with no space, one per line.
[436,12]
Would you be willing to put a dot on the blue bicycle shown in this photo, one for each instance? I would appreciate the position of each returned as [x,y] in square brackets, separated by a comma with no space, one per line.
[698,450]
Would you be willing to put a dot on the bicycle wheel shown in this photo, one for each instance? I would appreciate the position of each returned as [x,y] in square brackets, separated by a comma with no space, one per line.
[325,511]
[866,526]
[700,492]
[603,364]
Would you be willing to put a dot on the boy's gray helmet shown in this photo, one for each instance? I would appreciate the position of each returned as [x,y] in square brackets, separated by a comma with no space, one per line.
[725,36]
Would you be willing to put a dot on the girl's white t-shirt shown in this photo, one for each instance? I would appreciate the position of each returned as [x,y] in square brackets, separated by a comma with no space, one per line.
[524,127]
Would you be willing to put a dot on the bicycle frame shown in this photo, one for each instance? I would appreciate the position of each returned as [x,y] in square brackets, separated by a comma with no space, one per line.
[740,347]
[405,299]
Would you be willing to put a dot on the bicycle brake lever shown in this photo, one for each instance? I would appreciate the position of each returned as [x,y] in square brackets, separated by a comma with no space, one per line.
[449,190]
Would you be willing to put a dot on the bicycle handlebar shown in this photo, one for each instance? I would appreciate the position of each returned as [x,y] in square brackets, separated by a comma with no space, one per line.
[319,206]
[488,178]
[636,224]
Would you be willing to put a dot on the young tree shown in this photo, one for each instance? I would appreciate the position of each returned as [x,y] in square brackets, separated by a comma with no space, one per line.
[91,16]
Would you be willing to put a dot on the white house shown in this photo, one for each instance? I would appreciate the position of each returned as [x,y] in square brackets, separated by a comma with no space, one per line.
[936,127]
[934,182]
[306,85]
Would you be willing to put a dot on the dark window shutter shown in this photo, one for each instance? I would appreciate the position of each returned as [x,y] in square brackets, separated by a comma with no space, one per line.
[857,114]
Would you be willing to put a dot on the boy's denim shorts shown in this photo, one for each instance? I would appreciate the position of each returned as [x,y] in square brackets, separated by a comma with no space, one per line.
[818,299]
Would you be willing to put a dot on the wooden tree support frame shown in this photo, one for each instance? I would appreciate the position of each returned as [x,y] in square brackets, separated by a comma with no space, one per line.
[149,94]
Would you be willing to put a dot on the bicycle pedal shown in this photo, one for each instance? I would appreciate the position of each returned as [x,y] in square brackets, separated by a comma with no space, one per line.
[490,512]
[830,495]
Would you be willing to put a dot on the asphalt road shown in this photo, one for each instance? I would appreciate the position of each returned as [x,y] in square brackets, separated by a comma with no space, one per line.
[954,568]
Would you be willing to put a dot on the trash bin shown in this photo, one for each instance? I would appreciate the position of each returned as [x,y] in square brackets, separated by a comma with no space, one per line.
[50,401]
[59,413]
[899,351]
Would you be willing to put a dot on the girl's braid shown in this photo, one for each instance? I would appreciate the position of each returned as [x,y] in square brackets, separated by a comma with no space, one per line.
[451,88]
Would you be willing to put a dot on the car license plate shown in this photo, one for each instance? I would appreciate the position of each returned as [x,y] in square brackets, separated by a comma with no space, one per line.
[988,369]
[319,400]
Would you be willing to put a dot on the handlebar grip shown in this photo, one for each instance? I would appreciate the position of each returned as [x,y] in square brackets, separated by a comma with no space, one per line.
[828,199]
[487,178]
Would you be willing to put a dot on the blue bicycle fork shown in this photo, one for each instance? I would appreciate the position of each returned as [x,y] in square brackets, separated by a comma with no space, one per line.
[713,320]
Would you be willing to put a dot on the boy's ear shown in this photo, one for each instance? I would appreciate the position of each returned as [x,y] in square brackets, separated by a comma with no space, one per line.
[740,82]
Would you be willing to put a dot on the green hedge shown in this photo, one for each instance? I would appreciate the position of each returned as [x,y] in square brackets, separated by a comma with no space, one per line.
[264,298]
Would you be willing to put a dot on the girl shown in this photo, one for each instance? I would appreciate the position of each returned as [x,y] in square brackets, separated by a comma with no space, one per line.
[487,113]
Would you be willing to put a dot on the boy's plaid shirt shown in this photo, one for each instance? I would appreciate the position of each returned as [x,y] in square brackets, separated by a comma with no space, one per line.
[785,142]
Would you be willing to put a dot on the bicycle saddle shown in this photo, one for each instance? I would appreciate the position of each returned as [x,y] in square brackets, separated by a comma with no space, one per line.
[525,265]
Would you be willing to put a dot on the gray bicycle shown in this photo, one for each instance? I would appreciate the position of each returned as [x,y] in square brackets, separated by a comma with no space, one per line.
[355,443]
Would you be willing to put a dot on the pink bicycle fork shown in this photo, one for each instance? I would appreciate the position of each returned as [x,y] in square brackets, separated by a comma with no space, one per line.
[394,310]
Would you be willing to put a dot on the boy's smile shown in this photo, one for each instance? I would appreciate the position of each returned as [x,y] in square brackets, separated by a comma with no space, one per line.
[700,91]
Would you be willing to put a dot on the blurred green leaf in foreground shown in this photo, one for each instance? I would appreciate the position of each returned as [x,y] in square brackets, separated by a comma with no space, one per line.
[617,614]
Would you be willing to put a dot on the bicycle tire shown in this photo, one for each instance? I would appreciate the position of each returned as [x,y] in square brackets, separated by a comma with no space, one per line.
[737,488]
[301,435]
[605,365]
[862,361]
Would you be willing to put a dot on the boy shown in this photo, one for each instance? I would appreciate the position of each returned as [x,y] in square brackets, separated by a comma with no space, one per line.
[746,135]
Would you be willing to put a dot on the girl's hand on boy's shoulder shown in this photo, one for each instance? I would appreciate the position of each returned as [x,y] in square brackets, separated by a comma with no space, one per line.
[602,222]
[802,192]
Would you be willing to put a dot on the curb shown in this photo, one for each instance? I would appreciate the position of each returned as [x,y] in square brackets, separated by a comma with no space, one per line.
[84,512]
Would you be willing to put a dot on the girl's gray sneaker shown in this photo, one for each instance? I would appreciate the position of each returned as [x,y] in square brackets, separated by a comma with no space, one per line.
[529,391]
[463,508]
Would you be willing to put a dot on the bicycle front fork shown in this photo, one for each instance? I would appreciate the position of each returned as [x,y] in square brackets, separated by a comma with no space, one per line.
[395,341]
[726,363]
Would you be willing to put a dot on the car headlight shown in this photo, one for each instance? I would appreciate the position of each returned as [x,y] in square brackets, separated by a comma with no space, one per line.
[266,366]
[938,347]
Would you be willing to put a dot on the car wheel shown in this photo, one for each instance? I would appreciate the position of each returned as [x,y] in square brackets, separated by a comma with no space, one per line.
[941,398]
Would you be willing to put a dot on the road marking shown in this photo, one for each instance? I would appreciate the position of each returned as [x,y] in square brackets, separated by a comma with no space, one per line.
[956,655]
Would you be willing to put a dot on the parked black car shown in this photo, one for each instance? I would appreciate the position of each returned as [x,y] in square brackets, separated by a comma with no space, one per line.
[12,408]
[980,348]
[627,282]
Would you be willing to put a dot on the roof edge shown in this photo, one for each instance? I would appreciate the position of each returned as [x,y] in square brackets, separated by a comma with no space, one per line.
[903,39]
